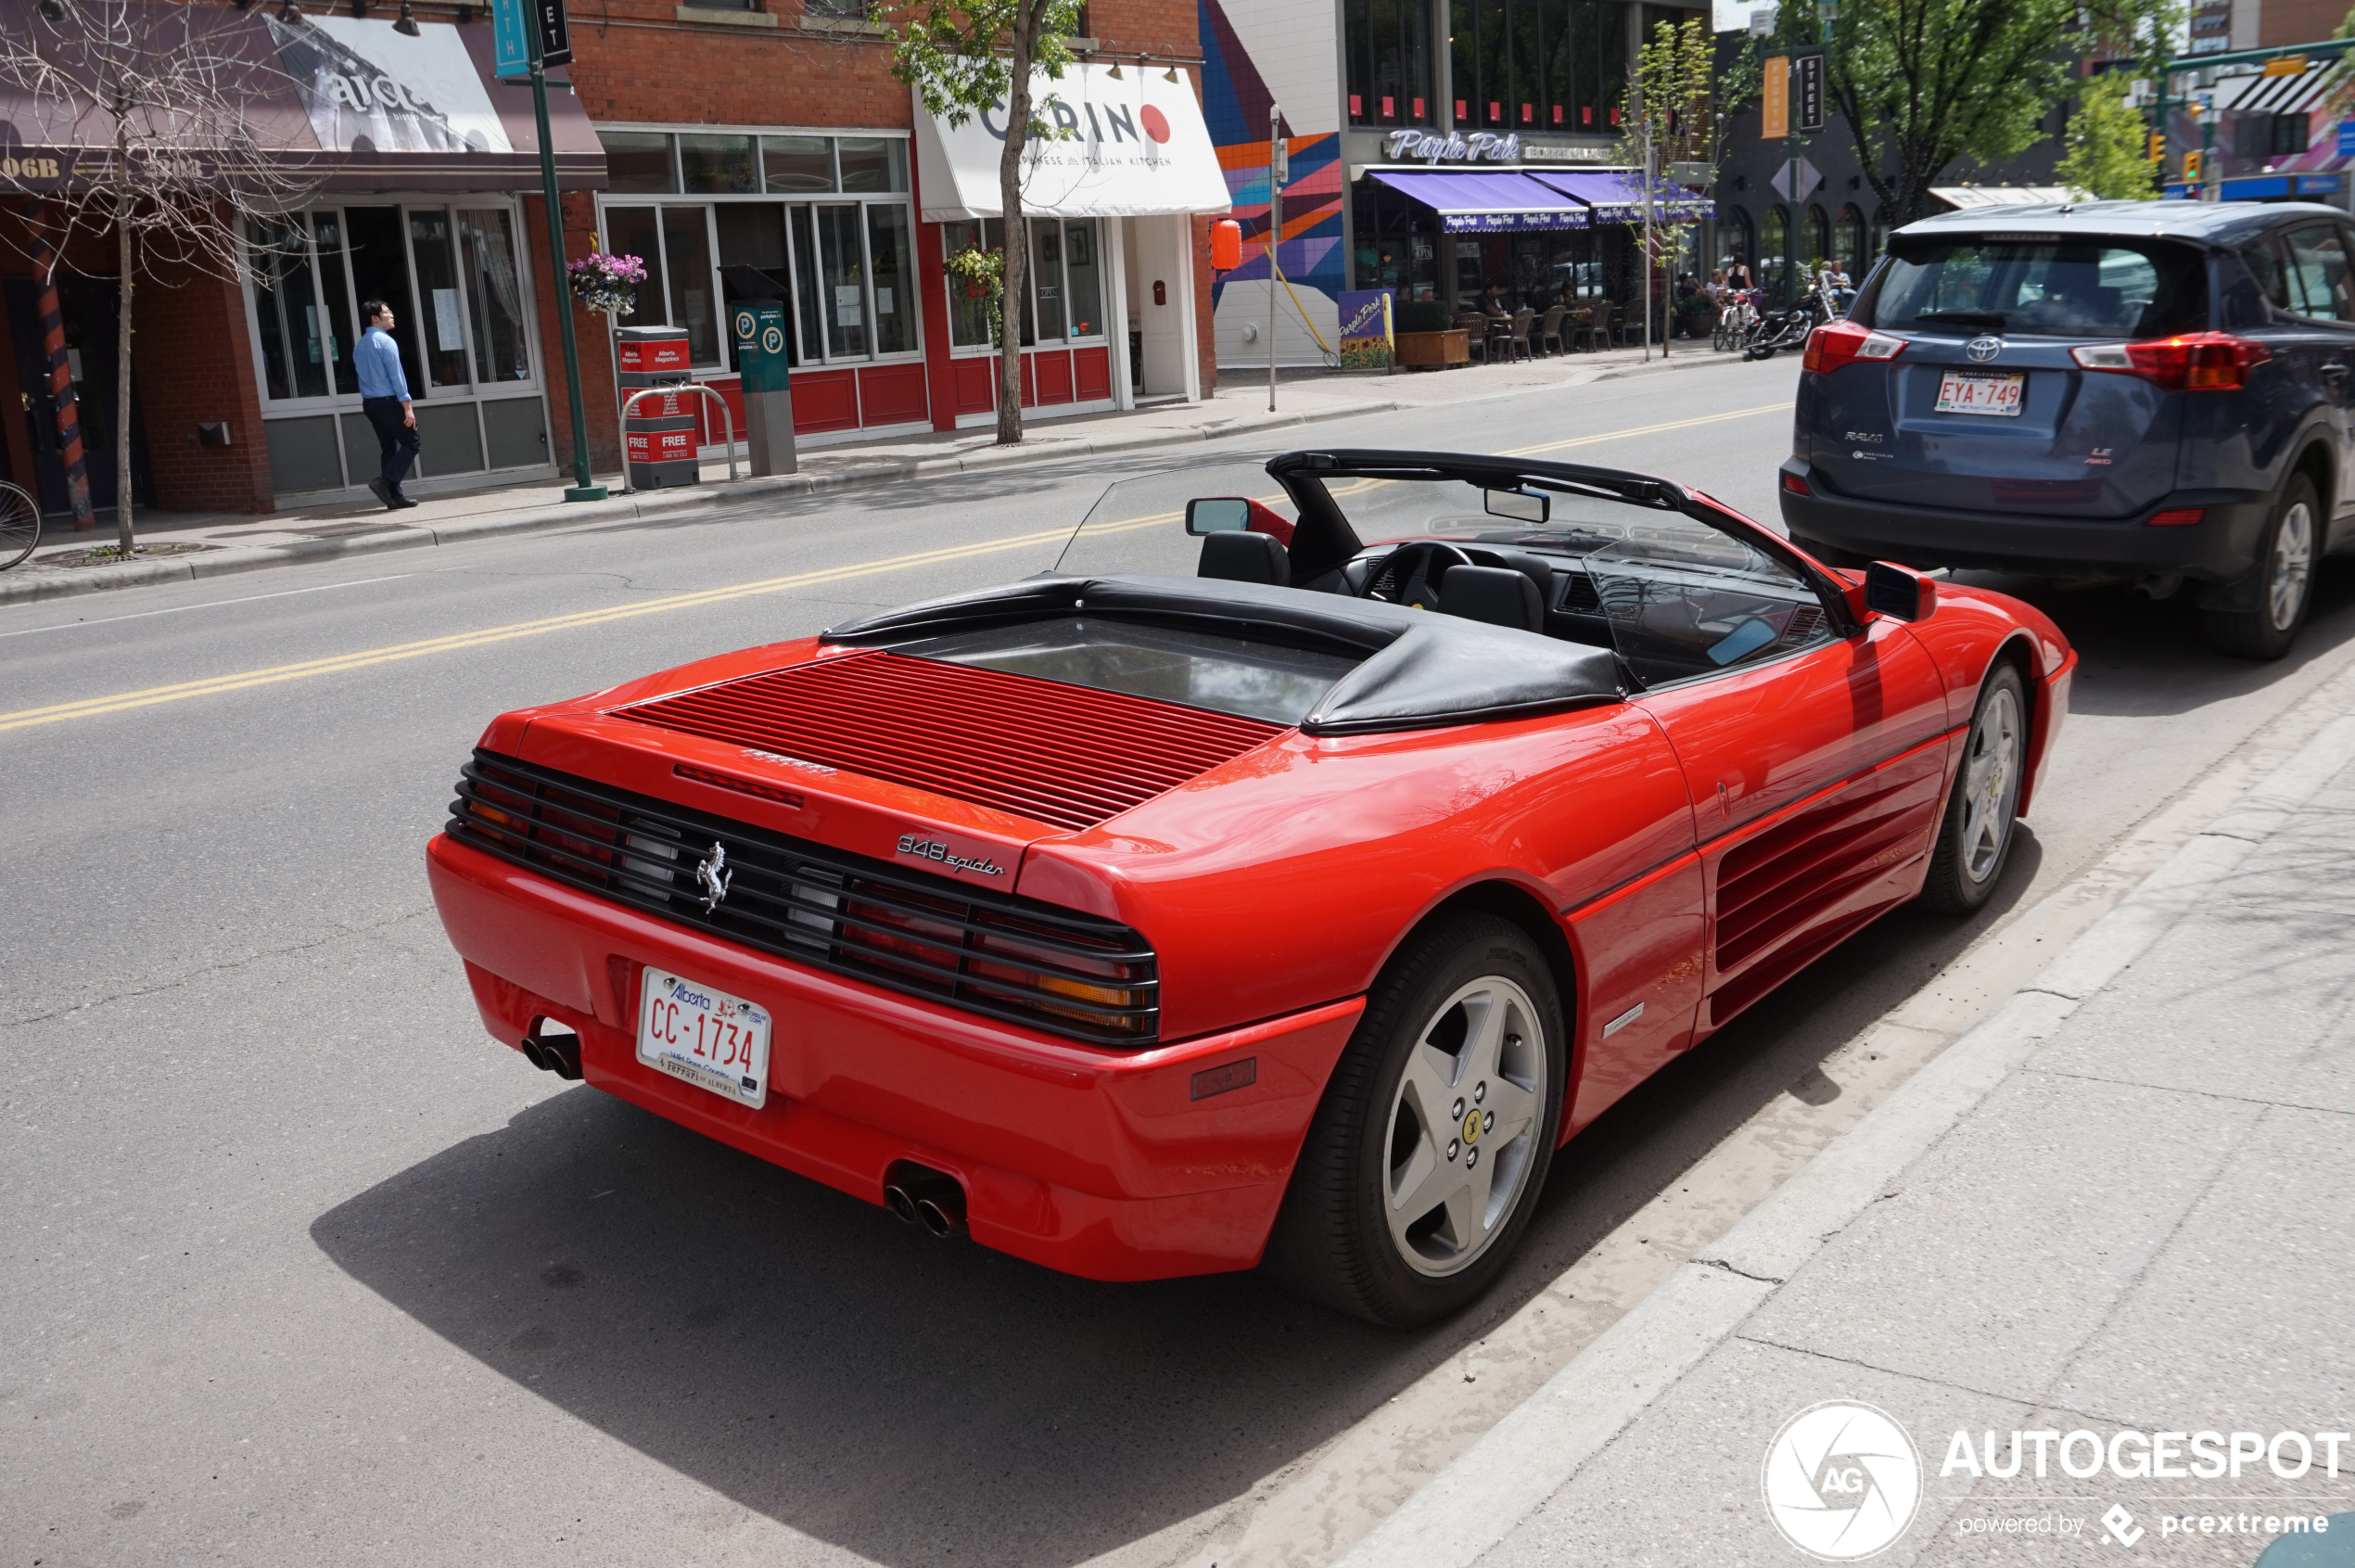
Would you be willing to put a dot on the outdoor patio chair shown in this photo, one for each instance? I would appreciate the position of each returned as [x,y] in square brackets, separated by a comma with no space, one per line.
[1516,335]
[1549,331]
[1474,323]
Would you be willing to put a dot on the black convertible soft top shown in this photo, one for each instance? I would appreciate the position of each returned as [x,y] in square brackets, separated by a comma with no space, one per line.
[1418,670]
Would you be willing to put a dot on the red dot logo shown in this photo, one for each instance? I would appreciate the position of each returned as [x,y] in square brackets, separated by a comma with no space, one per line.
[1155,123]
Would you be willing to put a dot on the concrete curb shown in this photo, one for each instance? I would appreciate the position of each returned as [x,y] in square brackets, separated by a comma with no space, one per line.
[643,507]
[1477,1500]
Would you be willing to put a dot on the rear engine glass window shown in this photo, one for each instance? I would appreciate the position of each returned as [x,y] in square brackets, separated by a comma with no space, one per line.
[1224,674]
[2042,287]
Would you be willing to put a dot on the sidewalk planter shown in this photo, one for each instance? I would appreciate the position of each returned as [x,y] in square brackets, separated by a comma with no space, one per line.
[1434,350]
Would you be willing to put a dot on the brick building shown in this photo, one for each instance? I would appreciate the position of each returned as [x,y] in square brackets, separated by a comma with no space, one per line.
[757,150]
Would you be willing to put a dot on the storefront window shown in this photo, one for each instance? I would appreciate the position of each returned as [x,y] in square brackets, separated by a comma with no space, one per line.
[1774,247]
[454,278]
[844,266]
[637,162]
[718,166]
[1066,292]
[442,326]
[1538,65]
[1387,45]
[486,240]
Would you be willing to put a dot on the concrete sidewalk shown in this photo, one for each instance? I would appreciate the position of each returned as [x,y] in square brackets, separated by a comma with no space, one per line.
[2118,1207]
[176,547]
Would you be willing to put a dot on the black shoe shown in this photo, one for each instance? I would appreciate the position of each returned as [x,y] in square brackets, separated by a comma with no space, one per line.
[402,502]
[383,492]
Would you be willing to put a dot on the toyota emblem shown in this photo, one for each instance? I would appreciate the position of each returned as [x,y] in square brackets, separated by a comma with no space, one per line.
[1981,350]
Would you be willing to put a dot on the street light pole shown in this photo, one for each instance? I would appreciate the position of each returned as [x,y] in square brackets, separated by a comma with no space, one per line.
[583,488]
[1278,165]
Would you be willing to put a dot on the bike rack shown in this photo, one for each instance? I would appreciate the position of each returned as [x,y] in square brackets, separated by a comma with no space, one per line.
[727,424]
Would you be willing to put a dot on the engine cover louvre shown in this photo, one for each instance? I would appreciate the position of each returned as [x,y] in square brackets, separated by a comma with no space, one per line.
[1067,755]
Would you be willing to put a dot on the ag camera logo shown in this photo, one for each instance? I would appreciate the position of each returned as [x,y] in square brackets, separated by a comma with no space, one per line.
[1842,1481]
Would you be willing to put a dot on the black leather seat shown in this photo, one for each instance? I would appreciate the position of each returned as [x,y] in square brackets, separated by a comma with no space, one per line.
[1244,558]
[1498,596]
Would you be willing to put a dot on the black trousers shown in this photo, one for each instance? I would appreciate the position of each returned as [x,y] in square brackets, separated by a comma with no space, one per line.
[398,442]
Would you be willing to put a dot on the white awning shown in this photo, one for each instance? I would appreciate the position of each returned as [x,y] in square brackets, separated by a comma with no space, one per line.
[1138,149]
[1962,196]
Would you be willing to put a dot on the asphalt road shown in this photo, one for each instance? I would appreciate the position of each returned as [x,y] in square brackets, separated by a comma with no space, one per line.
[297,1266]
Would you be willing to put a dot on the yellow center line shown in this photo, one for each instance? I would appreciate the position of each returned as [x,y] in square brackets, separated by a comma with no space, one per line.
[363,658]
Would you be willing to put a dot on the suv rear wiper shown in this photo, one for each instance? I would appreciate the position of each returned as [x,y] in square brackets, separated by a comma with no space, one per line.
[1966,318]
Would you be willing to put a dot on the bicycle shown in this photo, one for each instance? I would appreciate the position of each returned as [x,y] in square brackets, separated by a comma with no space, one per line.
[19,525]
[1735,322]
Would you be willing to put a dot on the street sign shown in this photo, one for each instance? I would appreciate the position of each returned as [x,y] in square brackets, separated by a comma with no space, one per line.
[1808,178]
[2285,65]
[555,33]
[1808,91]
[1773,103]
[2347,138]
[510,43]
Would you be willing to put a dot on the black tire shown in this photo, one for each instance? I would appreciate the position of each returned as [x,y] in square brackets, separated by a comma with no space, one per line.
[1335,1240]
[2281,580]
[1976,831]
[20,526]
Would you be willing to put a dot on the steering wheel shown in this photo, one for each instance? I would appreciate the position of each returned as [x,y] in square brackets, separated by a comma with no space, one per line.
[1409,578]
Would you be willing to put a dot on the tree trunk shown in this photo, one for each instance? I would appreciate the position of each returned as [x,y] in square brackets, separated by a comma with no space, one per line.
[1024,34]
[122,389]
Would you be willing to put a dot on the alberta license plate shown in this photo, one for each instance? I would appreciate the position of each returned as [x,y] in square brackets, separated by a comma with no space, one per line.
[1981,392]
[704,1037]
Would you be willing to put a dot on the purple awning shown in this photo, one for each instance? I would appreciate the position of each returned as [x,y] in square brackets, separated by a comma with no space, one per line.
[1617,195]
[1486,201]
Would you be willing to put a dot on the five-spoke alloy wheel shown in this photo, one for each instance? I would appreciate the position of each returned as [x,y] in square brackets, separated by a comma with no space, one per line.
[1982,809]
[1436,1130]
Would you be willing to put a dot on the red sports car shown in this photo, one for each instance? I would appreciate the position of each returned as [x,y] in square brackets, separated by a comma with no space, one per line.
[1240,893]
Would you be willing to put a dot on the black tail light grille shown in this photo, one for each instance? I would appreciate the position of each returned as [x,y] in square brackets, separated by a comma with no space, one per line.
[1011,959]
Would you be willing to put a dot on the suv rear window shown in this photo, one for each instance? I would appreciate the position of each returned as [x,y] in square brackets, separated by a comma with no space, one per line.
[2042,287]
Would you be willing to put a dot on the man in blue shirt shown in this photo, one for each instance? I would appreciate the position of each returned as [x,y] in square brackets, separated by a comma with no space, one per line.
[384,397]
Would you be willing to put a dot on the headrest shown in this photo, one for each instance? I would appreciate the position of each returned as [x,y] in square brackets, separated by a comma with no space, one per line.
[1498,596]
[1237,556]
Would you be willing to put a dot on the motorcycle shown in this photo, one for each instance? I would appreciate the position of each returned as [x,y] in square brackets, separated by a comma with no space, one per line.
[1788,329]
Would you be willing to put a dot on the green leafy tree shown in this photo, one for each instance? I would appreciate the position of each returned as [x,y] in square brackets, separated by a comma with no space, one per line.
[1926,85]
[2107,148]
[1665,118]
[972,55]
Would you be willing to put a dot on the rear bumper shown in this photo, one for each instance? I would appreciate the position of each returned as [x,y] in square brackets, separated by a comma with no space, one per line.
[1092,1162]
[2219,548]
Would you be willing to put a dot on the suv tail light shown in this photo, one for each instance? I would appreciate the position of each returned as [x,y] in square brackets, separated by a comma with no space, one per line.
[1835,343]
[2200,362]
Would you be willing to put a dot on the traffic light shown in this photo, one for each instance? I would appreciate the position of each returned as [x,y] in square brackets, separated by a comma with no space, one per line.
[2158,153]
[2191,165]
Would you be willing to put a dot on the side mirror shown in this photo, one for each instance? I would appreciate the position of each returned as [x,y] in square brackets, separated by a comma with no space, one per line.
[1521,506]
[1899,593]
[1217,514]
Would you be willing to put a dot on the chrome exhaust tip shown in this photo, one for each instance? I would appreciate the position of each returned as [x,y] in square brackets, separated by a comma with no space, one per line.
[561,1055]
[532,1054]
[921,1195]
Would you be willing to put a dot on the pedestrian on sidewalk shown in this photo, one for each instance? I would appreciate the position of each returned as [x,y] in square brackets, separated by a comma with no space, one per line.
[384,398]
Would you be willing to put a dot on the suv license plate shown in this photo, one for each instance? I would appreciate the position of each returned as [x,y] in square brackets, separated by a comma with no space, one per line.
[1981,392]
[703,1036]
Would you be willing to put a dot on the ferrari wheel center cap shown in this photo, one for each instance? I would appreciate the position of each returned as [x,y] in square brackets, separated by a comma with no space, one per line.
[1472,1126]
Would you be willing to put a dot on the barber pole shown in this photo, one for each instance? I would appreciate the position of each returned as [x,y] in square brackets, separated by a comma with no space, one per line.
[61,392]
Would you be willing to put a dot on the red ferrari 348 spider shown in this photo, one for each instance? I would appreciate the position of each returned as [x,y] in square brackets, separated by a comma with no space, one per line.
[1240,893]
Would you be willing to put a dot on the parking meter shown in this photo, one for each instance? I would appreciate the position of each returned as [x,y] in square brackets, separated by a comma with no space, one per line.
[763,358]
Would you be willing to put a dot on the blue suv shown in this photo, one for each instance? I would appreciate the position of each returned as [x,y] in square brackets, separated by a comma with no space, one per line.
[2150,392]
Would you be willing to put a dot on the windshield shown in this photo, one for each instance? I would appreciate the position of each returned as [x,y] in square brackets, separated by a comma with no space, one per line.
[2040,286]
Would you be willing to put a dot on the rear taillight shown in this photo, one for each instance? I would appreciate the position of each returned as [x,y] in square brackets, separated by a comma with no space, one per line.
[1795,485]
[2199,361]
[1835,343]
[2178,518]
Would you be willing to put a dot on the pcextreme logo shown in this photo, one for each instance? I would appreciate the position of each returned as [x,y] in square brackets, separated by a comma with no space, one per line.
[1842,1481]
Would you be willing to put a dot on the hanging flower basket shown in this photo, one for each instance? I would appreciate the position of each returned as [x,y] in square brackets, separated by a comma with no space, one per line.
[606,284]
[984,273]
